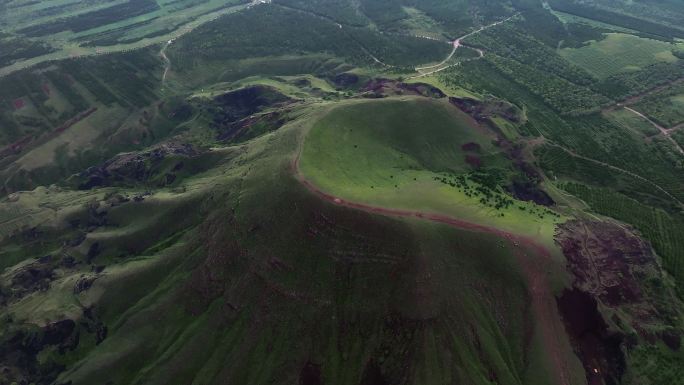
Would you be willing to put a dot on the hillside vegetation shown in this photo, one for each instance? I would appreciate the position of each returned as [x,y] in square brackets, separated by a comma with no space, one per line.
[365,192]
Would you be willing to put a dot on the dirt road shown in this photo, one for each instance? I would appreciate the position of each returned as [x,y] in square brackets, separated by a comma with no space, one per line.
[663,130]
[456,44]
[82,51]
[167,62]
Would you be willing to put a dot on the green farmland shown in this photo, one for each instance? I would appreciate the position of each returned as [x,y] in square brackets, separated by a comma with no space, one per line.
[619,52]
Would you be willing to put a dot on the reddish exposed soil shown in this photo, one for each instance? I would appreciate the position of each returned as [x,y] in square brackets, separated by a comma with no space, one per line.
[372,375]
[18,104]
[235,113]
[483,111]
[473,160]
[612,267]
[471,147]
[535,269]
[387,87]
[526,187]
[310,374]
[46,89]
[138,166]
[74,120]
[18,146]
[598,349]
[636,98]
[608,262]
[345,79]
[15,147]
[526,190]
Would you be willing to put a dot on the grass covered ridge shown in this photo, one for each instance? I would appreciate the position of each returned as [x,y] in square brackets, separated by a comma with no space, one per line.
[410,153]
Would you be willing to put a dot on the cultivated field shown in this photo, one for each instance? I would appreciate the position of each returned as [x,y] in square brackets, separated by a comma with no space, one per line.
[75,29]
[619,52]
[665,106]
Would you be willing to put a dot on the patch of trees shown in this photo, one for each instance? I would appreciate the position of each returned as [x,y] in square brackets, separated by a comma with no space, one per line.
[579,35]
[624,85]
[487,185]
[383,11]
[561,164]
[52,10]
[64,84]
[678,136]
[290,32]
[14,48]
[542,25]
[590,135]
[341,11]
[510,42]
[661,108]
[460,17]
[131,80]
[562,95]
[483,184]
[114,36]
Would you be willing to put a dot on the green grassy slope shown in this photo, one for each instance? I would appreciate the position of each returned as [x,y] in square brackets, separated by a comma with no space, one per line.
[394,153]
[254,287]
[272,205]
[62,118]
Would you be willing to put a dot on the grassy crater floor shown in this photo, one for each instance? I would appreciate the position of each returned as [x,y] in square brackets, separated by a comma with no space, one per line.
[395,153]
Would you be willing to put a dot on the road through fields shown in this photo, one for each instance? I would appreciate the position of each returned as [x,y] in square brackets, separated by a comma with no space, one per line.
[79,51]
[663,130]
[456,44]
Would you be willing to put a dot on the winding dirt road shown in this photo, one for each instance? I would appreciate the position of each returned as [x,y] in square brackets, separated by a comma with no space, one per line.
[456,44]
[663,130]
[167,61]
[527,251]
